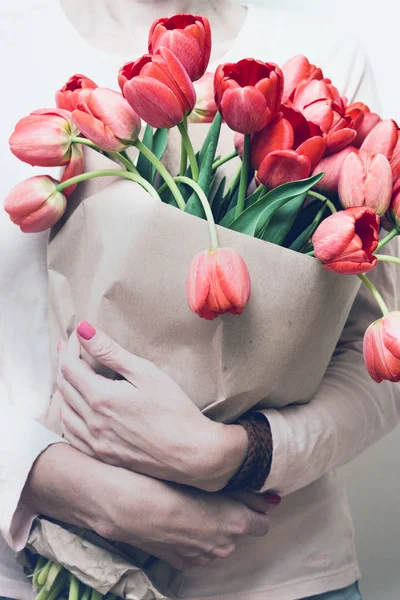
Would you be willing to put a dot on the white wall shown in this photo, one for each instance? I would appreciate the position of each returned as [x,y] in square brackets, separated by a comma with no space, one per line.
[373,479]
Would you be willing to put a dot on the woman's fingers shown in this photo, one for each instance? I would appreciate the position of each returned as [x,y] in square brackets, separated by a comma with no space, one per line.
[75,430]
[75,400]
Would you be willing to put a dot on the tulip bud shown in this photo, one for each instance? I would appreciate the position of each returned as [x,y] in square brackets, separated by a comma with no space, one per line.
[74,92]
[158,88]
[331,166]
[366,180]
[205,109]
[218,282]
[248,94]
[35,204]
[43,138]
[345,241]
[107,120]
[382,348]
[188,37]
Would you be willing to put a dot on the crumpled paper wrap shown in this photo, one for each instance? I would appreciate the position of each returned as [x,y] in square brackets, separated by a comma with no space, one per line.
[86,555]
[119,259]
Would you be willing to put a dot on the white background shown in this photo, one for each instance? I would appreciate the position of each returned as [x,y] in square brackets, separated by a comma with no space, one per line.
[373,479]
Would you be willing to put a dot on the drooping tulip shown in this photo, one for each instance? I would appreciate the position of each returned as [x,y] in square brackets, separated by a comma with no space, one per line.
[296,70]
[248,94]
[366,180]
[218,282]
[321,103]
[158,88]
[188,37]
[43,138]
[74,91]
[73,168]
[345,241]
[35,204]
[287,149]
[205,109]
[382,348]
[107,119]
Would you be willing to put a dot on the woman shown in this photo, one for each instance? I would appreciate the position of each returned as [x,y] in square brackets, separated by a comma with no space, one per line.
[309,549]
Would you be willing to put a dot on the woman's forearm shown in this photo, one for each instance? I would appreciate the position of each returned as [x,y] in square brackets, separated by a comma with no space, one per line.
[67,485]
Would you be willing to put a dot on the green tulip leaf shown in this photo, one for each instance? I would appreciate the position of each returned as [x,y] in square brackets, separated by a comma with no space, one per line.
[211,139]
[217,196]
[143,165]
[231,208]
[193,205]
[282,221]
[159,145]
[256,217]
[308,232]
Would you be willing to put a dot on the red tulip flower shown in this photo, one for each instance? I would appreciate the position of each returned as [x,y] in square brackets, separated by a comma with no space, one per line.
[385,139]
[345,241]
[366,180]
[295,71]
[382,348]
[43,138]
[287,149]
[34,204]
[248,94]
[218,282]
[188,37]
[107,119]
[367,123]
[74,92]
[331,166]
[158,88]
[321,103]
[205,109]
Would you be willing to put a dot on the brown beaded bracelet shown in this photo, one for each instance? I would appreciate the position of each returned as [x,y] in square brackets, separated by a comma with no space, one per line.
[257,463]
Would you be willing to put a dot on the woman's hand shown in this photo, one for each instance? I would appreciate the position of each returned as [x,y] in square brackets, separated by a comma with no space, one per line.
[184,526]
[146,423]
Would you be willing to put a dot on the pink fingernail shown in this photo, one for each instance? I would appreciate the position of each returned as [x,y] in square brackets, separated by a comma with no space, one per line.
[58,346]
[85,330]
[273,498]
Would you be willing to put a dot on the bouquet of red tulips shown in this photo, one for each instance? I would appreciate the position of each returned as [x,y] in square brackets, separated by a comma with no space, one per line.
[314,181]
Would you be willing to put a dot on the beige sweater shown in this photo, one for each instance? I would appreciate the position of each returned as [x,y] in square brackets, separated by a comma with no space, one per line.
[310,547]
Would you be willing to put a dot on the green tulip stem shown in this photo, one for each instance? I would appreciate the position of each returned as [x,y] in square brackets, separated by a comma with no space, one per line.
[40,563]
[189,149]
[378,298]
[184,155]
[234,182]
[42,576]
[206,206]
[86,593]
[221,161]
[328,203]
[163,172]
[96,595]
[387,258]
[73,588]
[388,238]
[311,253]
[110,173]
[243,176]
[115,156]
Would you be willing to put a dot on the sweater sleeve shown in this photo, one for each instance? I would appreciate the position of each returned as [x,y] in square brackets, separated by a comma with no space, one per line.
[21,441]
[350,412]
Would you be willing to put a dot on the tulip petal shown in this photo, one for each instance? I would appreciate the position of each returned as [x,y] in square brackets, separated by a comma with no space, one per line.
[331,166]
[245,110]
[46,216]
[313,148]
[369,122]
[97,132]
[281,167]
[278,135]
[381,139]
[338,140]
[154,102]
[112,109]
[73,168]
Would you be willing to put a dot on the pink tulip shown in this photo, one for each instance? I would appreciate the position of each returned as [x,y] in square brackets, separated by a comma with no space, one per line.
[367,123]
[321,103]
[297,70]
[366,180]
[384,138]
[205,109]
[382,348]
[189,39]
[345,241]
[74,91]
[43,138]
[218,282]
[34,204]
[287,149]
[106,119]
[73,168]
[158,88]
[248,94]
[331,166]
